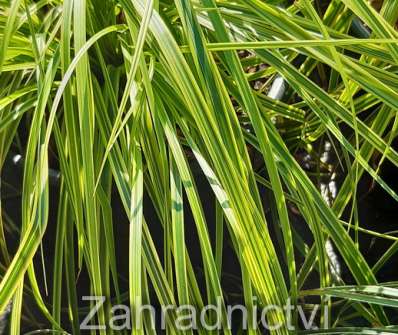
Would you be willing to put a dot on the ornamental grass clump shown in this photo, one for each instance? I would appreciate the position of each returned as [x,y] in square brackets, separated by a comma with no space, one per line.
[147,145]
